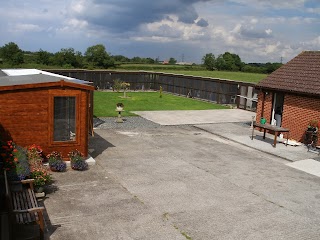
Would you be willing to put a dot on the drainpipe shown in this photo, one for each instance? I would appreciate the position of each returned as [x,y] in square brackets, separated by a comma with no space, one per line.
[263,100]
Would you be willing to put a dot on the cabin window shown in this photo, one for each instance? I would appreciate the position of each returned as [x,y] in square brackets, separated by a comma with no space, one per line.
[64,123]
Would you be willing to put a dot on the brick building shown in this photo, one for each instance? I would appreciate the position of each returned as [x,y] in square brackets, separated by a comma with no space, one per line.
[290,96]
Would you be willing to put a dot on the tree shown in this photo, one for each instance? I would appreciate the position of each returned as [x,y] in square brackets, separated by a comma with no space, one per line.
[172,61]
[220,63]
[270,67]
[67,57]
[120,58]
[149,60]
[43,57]
[12,54]
[136,60]
[229,61]
[98,57]
[232,62]
[237,62]
[209,61]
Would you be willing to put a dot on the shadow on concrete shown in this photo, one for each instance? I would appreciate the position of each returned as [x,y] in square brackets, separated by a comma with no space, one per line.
[97,122]
[97,145]
[49,227]
[263,140]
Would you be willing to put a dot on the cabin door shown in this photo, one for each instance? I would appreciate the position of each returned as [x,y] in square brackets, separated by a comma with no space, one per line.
[277,109]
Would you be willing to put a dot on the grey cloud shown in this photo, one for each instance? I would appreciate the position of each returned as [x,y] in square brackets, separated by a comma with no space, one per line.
[169,19]
[254,33]
[165,30]
[202,23]
[194,1]
[189,15]
[128,15]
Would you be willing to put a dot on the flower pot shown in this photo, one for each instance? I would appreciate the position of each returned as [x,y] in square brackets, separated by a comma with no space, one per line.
[53,169]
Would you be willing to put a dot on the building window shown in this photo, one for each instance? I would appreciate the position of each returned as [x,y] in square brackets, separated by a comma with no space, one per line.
[64,123]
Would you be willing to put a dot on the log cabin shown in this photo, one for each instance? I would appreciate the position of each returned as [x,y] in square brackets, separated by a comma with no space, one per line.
[50,110]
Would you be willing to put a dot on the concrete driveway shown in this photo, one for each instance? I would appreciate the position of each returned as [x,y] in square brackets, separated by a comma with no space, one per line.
[196,116]
[181,182]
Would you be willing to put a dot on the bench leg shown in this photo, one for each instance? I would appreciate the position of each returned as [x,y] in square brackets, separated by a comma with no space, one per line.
[252,132]
[275,139]
[41,224]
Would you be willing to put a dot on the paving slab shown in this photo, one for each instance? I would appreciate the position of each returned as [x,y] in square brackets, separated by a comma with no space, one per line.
[196,116]
[308,165]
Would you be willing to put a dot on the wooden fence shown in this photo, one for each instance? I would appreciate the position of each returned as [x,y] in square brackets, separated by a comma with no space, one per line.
[221,91]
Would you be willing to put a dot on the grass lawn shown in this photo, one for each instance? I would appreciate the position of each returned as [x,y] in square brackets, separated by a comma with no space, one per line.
[105,103]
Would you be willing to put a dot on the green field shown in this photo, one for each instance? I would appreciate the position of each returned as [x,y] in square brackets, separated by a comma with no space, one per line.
[238,76]
[159,67]
[194,71]
[105,103]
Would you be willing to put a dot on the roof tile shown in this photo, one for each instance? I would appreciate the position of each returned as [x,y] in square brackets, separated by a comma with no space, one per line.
[300,75]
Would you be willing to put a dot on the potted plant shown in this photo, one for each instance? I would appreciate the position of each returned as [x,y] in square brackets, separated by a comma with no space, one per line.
[313,126]
[38,171]
[41,177]
[34,154]
[77,161]
[6,155]
[56,162]
[22,169]
[15,161]
[119,106]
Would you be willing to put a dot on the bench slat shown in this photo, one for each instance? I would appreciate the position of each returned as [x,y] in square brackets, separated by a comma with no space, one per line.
[34,203]
[21,205]
[28,217]
[15,202]
[33,198]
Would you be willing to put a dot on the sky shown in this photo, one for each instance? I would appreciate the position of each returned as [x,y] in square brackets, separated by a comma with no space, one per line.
[256,30]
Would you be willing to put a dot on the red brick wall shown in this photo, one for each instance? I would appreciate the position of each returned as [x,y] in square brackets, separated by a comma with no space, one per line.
[297,112]
[267,107]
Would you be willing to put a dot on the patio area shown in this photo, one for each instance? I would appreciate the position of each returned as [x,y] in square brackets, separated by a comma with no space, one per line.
[204,181]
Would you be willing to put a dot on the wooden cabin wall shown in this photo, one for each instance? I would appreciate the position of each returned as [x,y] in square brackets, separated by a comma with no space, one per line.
[24,115]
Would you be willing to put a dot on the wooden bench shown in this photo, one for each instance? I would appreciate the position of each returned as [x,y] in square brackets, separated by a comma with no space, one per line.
[23,207]
[270,127]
